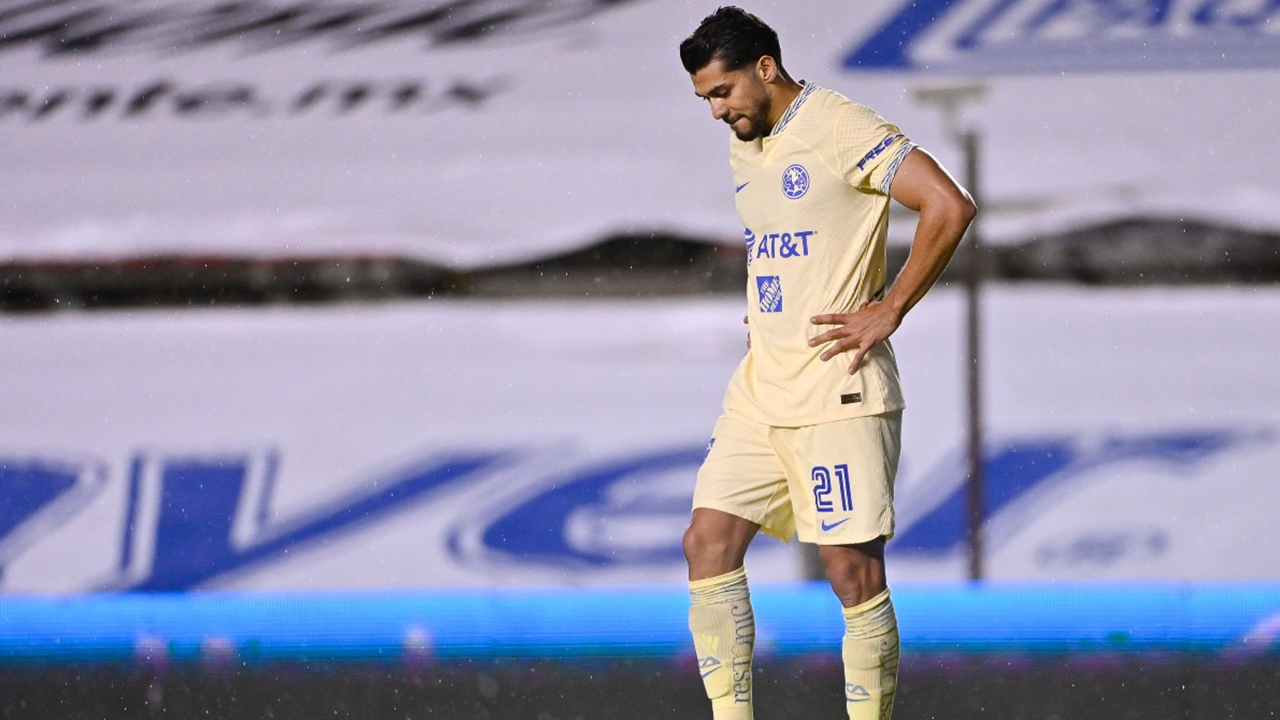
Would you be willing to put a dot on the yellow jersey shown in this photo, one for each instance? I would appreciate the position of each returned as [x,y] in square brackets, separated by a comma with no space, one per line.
[813,196]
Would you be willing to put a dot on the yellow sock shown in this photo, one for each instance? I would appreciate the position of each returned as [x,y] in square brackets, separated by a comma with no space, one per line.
[870,658]
[724,635]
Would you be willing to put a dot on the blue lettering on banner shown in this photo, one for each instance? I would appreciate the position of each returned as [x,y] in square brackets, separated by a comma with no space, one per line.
[38,494]
[27,487]
[537,530]
[191,519]
[196,501]
[1011,37]
[1101,547]
[1015,470]
[770,290]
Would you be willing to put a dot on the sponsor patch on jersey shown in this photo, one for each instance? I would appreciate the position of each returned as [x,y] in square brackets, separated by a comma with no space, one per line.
[850,398]
[770,288]
[874,152]
[750,239]
[795,182]
[780,245]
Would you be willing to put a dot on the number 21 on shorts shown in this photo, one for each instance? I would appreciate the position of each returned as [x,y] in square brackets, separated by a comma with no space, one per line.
[822,488]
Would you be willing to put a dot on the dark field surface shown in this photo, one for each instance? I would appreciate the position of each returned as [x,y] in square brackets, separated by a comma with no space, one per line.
[1044,687]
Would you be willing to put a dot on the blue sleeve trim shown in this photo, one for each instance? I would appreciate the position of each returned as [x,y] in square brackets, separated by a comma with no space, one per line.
[892,172]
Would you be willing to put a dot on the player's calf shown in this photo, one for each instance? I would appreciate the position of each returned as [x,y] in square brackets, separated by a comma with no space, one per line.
[870,644]
[724,634]
[870,653]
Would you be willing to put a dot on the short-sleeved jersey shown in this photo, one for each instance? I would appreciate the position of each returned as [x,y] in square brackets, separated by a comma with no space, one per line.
[813,197]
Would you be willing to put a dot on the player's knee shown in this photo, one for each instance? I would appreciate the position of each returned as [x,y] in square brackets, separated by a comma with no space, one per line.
[697,544]
[856,573]
[712,553]
[843,567]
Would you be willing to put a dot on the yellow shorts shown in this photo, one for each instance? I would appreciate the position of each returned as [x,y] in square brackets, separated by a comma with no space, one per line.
[832,484]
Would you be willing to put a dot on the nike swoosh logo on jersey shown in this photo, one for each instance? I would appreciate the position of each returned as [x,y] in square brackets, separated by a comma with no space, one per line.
[739,188]
[834,525]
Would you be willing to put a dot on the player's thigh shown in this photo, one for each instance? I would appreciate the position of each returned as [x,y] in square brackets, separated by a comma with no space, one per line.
[743,476]
[841,477]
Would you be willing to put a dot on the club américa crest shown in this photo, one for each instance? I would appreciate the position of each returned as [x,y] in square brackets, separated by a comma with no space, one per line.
[795,182]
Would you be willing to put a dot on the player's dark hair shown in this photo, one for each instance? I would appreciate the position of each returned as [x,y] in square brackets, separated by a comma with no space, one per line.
[731,35]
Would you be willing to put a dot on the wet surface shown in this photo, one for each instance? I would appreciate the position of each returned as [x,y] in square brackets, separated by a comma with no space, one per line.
[1047,687]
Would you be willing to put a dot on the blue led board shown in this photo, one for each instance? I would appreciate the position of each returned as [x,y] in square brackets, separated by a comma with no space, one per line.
[545,623]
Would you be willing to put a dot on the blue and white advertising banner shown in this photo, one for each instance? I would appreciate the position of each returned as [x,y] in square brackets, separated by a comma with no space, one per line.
[1014,37]
[494,131]
[1133,436]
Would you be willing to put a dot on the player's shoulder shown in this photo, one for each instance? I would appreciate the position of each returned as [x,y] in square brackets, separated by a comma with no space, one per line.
[828,117]
[837,108]
[851,126]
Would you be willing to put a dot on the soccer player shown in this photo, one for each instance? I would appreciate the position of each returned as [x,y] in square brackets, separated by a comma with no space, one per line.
[810,436]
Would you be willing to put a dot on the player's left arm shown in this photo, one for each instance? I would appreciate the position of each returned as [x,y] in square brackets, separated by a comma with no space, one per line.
[946,209]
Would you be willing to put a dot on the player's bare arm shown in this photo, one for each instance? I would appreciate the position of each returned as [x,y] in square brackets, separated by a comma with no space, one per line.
[946,210]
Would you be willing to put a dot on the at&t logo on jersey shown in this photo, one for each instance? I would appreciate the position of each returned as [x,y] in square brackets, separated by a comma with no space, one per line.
[795,182]
[781,246]
[770,288]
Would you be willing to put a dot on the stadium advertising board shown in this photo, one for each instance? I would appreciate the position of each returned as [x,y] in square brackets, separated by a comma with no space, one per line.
[391,447]
[499,130]
[1012,37]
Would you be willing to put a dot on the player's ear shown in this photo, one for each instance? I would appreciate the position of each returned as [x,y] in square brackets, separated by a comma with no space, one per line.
[766,68]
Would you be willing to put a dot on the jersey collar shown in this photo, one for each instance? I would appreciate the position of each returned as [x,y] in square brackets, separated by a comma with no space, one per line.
[793,108]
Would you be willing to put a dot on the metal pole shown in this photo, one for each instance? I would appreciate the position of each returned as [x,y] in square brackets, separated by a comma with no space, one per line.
[973,292]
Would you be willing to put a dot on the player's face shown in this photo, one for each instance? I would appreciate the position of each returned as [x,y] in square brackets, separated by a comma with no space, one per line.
[738,97]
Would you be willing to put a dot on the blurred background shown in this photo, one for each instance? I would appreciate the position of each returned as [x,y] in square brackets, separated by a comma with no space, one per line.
[358,357]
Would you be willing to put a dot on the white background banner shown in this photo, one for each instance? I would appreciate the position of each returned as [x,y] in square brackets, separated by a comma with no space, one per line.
[500,130]
[1132,435]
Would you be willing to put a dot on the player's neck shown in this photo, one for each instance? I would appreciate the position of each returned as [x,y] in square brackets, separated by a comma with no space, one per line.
[783,92]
